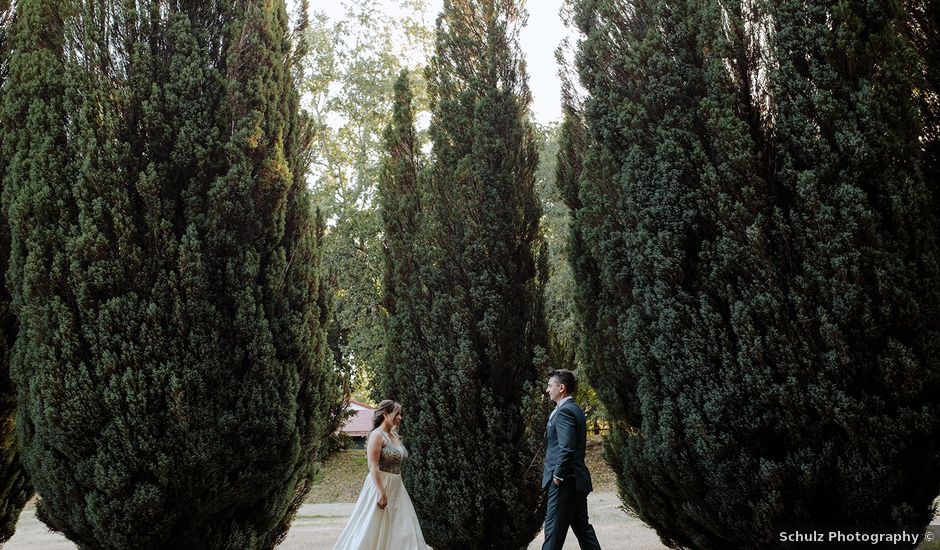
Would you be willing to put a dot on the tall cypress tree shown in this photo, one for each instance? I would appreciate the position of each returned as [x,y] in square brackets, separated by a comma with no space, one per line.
[400,197]
[849,156]
[15,488]
[170,368]
[470,378]
[757,265]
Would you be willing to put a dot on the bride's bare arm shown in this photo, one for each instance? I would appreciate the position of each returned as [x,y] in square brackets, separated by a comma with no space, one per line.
[373,451]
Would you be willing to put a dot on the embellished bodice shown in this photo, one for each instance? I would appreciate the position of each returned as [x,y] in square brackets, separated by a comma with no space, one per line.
[392,456]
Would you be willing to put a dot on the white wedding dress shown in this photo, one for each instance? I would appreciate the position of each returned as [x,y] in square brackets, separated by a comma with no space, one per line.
[394,528]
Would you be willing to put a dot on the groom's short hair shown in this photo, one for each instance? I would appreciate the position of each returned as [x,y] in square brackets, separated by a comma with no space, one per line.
[567,378]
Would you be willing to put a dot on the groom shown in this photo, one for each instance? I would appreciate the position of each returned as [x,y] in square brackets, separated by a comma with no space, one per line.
[565,473]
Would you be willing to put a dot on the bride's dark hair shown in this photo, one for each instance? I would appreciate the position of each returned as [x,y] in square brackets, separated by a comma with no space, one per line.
[387,406]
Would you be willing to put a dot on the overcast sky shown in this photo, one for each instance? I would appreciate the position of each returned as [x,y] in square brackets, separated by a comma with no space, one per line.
[538,40]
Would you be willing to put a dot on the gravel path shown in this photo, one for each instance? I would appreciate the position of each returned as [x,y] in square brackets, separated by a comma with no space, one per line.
[317,527]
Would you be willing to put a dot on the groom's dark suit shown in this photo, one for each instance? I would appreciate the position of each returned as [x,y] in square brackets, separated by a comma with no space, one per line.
[566,435]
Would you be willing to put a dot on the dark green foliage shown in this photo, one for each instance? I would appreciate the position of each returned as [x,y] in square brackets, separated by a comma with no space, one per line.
[15,488]
[756,252]
[468,360]
[171,364]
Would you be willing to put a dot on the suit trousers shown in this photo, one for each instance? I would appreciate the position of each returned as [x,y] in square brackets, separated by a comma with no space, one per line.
[567,507]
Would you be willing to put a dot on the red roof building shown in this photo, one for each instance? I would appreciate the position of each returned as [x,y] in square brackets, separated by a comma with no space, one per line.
[360,423]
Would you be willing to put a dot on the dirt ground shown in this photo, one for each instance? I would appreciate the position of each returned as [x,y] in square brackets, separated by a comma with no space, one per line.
[318,526]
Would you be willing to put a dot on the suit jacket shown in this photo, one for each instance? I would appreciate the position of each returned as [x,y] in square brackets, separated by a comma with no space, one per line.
[566,435]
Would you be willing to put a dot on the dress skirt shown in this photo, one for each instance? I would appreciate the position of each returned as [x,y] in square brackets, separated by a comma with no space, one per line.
[372,528]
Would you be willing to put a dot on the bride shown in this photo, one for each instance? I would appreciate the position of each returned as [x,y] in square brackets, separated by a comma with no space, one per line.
[383,518]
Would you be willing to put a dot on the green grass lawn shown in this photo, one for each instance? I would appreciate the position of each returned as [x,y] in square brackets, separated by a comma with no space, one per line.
[341,476]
